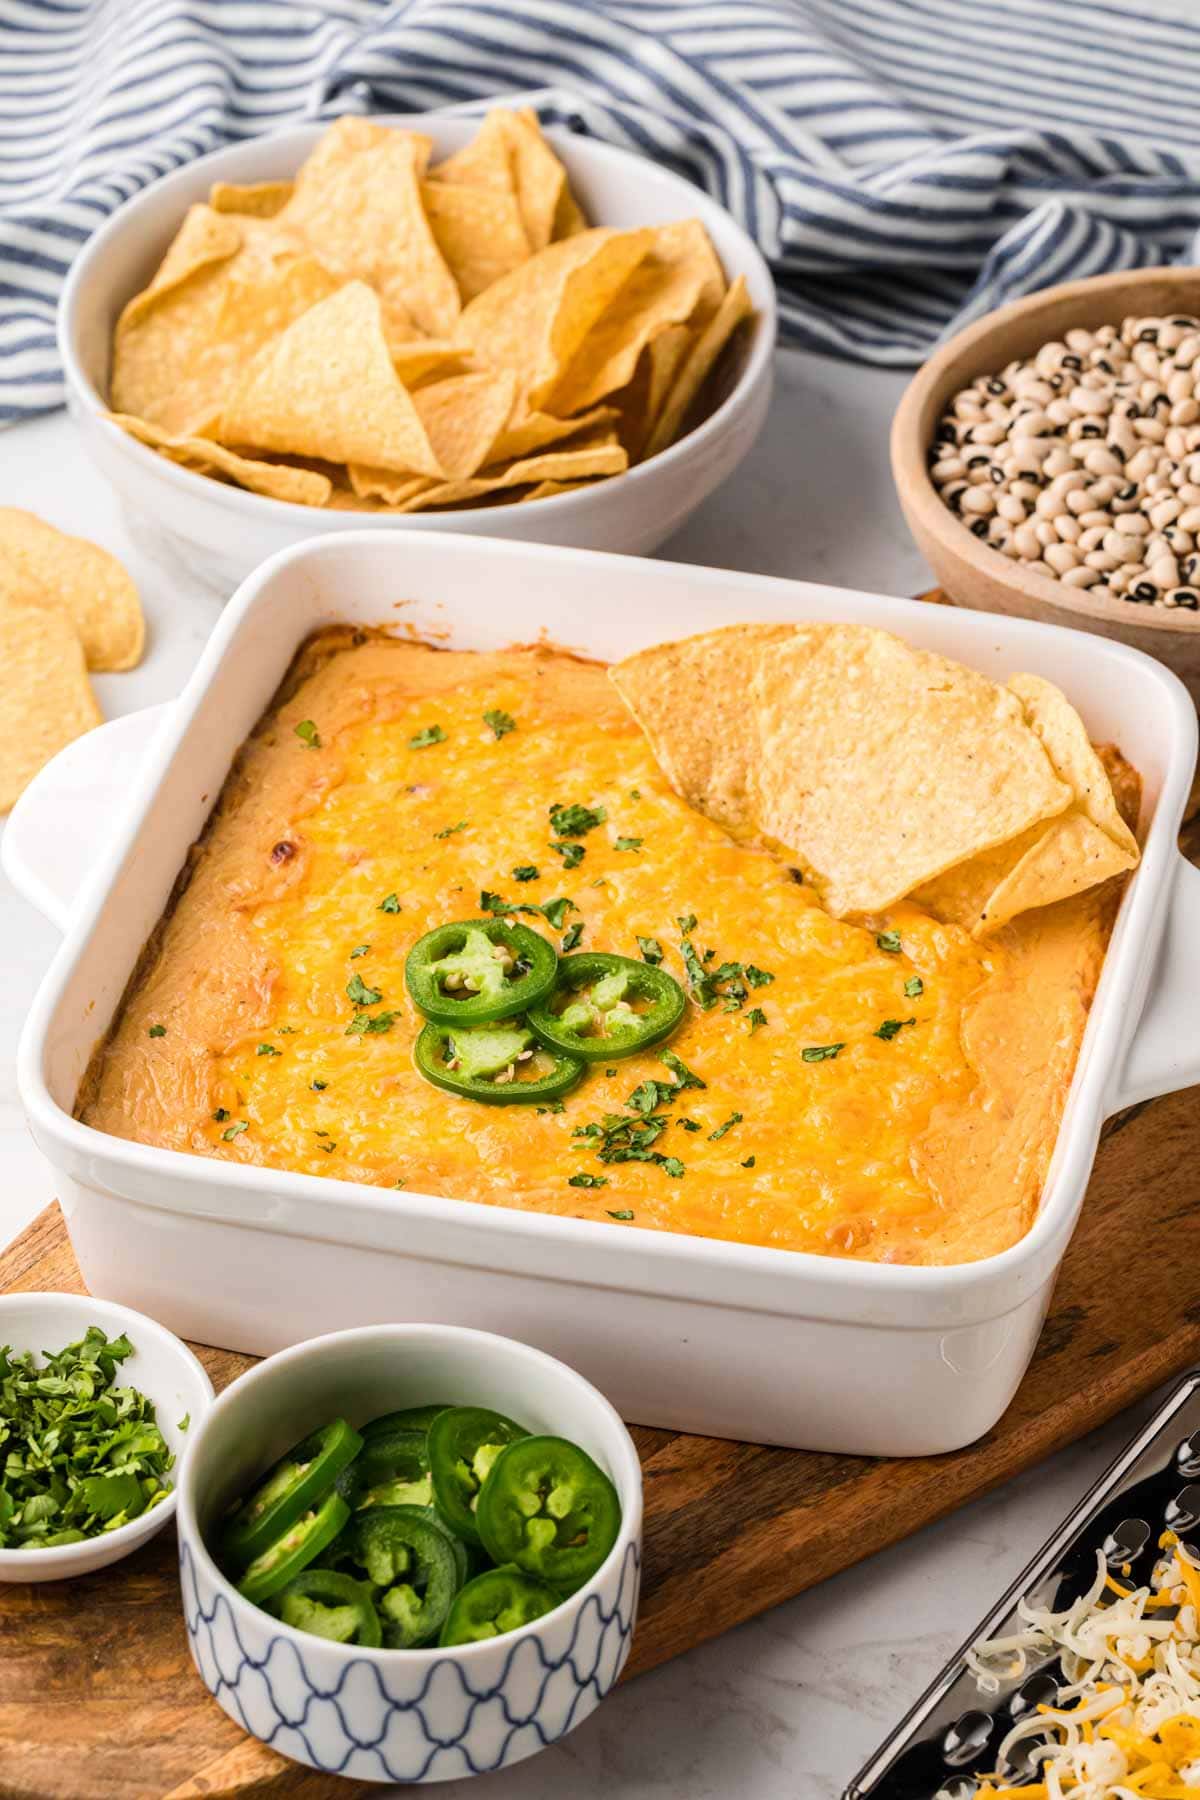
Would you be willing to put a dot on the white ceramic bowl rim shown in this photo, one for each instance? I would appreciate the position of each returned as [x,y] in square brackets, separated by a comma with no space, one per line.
[429,1654]
[189,481]
[105,1313]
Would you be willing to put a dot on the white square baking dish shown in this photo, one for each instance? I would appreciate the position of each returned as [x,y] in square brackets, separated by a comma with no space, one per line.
[705,1336]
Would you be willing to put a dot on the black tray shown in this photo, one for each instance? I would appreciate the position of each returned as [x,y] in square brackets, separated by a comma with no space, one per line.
[954,1729]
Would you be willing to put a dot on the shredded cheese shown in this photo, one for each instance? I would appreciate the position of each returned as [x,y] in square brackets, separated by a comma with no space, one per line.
[1126,1723]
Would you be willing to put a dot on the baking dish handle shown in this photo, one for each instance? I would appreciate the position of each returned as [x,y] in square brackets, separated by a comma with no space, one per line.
[1164,1055]
[63,821]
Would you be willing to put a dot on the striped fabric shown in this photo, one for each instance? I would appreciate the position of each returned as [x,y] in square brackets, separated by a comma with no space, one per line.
[904,164]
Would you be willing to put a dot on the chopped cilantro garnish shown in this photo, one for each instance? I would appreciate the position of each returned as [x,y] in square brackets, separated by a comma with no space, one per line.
[555,911]
[500,721]
[889,941]
[555,1106]
[285,1031]
[703,988]
[690,1125]
[421,740]
[319,1086]
[235,1130]
[735,1118]
[624,1214]
[525,872]
[649,1094]
[651,949]
[157,1031]
[331,1145]
[307,732]
[757,977]
[914,987]
[821,1052]
[572,937]
[575,821]
[449,830]
[684,1077]
[628,843]
[268,1050]
[389,903]
[890,1027]
[360,993]
[359,950]
[572,854]
[686,923]
[635,793]
[584,1180]
[609,1073]
[221,1114]
[673,1166]
[756,1017]
[365,1022]
[749,1163]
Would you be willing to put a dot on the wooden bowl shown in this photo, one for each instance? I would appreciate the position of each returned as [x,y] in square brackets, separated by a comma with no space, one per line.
[972,572]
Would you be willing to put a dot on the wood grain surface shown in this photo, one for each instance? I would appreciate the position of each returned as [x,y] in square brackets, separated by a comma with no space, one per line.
[98,1697]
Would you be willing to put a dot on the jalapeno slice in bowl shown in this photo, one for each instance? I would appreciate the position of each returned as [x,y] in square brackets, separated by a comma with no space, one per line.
[473,972]
[330,1605]
[501,1064]
[497,1601]
[411,1558]
[287,1490]
[293,1550]
[391,1469]
[607,1006]
[463,1444]
[548,1508]
[409,1418]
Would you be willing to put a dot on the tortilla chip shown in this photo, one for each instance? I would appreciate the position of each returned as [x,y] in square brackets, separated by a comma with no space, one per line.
[546,490]
[422,358]
[527,432]
[277,481]
[680,277]
[569,216]
[555,465]
[260,199]
[691,700]
[368,483]
[327,388]
[478,231]
[533,320]
[486,162]
[640,401]
[1083,846]
[91,586]
[463,418]
[508,155]
[46,700]
[699,364]
[359,207]
[204,238]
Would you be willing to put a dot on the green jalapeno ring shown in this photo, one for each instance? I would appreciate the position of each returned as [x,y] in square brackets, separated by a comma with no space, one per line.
[301,1543]
[411,1558]
[589,1015]
[464,1442]
[409,1418]
[289,1488]
[548,1508]
[479,970]
[494,1603]
[330,1605]
[482,1054]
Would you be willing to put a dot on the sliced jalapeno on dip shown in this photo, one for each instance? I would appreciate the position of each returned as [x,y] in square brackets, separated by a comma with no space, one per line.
[500,1064]
[293,1550]
[287,1490]
[463,1444]
[411,1558]
[548,1508]
[607,1006]
[497,1601]
[330,1605]
[480,970]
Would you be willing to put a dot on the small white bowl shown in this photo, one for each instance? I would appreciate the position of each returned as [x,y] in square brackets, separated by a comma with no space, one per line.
[161,1366]
[403,1715]
[224,532]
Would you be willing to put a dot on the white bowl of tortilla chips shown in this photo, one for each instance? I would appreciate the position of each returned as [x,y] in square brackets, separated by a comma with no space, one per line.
[425,322]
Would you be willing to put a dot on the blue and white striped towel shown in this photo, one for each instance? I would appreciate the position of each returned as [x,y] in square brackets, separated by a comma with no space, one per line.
[904,164]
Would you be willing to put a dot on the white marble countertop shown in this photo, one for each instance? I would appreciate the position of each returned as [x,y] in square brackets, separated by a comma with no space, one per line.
[789,1706]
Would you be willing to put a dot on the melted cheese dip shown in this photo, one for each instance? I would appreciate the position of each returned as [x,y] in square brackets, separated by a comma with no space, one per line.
[928,1146]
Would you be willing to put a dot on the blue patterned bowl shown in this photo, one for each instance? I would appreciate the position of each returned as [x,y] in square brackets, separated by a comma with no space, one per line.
[403,1715]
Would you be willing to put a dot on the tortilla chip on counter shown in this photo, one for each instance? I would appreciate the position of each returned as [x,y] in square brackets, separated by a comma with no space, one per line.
[46,700]
[42,566]
[884,770]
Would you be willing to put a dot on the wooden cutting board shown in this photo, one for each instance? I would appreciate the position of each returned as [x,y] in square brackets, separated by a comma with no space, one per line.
[98,1696]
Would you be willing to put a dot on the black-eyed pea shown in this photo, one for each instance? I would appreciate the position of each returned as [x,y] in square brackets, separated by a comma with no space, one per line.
[1079,500]
[1059,462]
[979,502]
[1061,557]
[1136,525]
[1099,460]
[993,432]
[1091,537]
[1046,533]
[1080,577]
[1027,543]
[1151,430]
[1175,441]
[1165,512]
[1099,518]
[949,470]
[1009,507]
[1101,560]
[1164,572]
